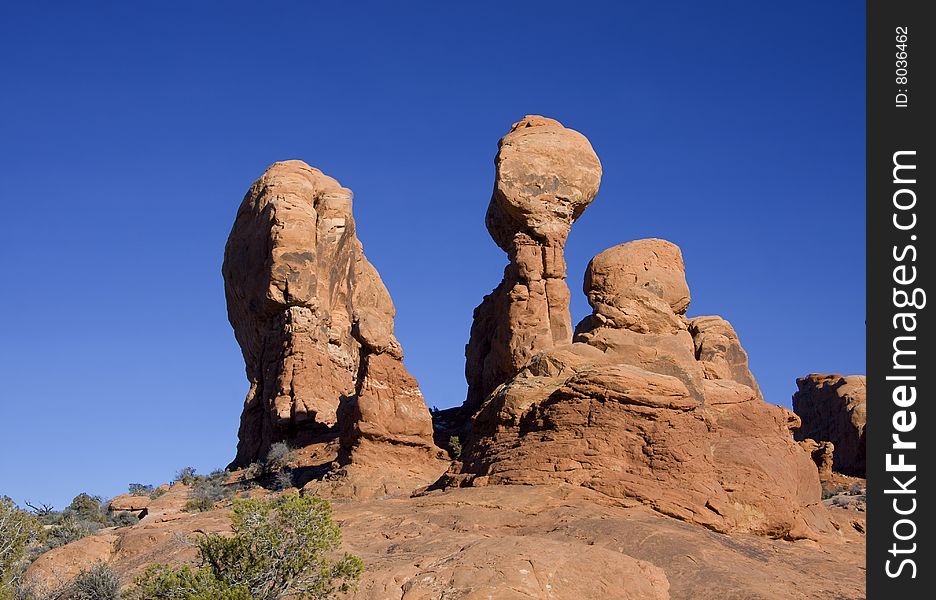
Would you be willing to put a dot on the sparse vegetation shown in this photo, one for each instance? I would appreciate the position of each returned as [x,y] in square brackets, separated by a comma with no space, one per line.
[97,583]
[185,476]
[281,548]
[19,531]
[274,471]
[139,489]
[455,447]
[207,490]
[278,457]
[283,480]
[85,515]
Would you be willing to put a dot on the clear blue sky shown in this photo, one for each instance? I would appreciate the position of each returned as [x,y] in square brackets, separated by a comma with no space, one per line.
[129,133]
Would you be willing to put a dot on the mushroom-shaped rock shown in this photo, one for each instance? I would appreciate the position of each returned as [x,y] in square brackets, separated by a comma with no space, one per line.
[546,175]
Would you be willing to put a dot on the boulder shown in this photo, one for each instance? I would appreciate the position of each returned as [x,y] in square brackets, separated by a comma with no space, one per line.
[128,503]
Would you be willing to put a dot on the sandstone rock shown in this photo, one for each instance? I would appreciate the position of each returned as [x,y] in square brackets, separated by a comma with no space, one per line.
[315,324]
[821,453]
[649,407]
[833,409]
[546,175]
[718,349]
[653,266]
[128,503]
[553,542]
[58,566]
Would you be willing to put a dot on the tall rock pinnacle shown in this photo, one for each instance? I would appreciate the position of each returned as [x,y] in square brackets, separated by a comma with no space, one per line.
[315,325]
[546,175]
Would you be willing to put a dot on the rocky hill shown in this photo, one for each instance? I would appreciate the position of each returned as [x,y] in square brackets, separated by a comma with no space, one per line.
[629,456]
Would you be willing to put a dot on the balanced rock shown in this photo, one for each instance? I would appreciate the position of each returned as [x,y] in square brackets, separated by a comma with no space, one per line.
[647,406]
[546,175]
[315,325]
[833,408]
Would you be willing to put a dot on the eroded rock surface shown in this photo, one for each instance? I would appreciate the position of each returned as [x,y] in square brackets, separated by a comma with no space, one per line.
[555,542]
[648,406]
[833,408]
[546,175]
[315,325]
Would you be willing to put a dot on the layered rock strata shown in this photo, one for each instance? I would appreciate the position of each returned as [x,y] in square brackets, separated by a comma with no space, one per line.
[315,324]
[645,404]
[649,406]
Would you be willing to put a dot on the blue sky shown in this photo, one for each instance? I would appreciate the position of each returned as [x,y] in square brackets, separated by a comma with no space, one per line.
[129,132]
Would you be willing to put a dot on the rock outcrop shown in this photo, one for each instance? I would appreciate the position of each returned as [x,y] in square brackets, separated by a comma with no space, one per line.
[833,408]
[514,543]
[648,406]
[546,175]
[315,325]
[821,454]
[645,405]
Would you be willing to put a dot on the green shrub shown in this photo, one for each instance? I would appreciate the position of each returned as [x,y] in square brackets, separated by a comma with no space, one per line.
[198,505]
[455,447]
[162,582]
[67,529]
[124,519]
[97,583]
[85,515]
[253,471]
[88,508]
[139,489]
[19,531]
[277,457]
[185,476]
[208,490]
[283,480]
[281,547]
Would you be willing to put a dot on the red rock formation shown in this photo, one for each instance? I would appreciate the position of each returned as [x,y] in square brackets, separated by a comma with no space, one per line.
[630,409]
[546,176]
[833,409]
[646,405]
[512,543]
[315,324]
[821,453]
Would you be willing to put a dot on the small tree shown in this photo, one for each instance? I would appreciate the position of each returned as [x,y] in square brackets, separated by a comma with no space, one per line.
[139,489]
[281,548]
[19,530]
[88,508]
[186,476]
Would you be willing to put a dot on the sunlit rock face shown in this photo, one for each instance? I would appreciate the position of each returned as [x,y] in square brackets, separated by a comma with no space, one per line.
[315,325]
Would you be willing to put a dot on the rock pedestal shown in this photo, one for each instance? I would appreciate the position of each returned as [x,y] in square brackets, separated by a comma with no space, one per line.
[546,175]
